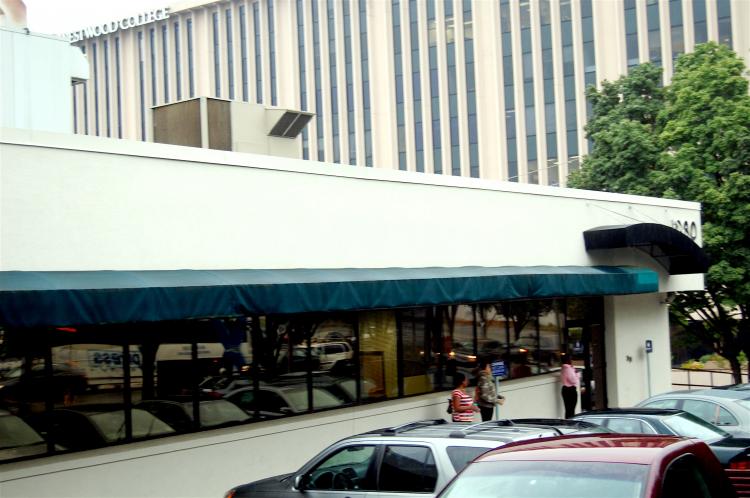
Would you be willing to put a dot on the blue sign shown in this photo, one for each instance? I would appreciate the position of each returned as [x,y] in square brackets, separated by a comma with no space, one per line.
[649,346]
[498,369]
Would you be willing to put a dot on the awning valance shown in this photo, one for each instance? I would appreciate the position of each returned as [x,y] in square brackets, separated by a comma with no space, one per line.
[674,250]
[37,299]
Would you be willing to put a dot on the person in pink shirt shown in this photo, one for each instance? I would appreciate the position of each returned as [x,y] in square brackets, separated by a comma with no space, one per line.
[569,380]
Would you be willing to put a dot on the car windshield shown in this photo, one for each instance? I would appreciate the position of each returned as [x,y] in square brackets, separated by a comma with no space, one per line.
[112,424]
[219,412]
[685,424]
[549,479]
[14,432]
[321,398]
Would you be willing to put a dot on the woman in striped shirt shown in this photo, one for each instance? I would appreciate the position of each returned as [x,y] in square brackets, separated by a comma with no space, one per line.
[463,404]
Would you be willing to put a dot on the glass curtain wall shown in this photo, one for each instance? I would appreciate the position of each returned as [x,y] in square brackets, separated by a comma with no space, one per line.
[78,388]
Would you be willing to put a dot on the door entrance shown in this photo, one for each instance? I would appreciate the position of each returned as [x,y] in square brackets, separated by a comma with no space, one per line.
[585,340]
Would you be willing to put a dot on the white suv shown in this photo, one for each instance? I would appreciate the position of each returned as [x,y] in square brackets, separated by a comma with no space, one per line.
[408,461]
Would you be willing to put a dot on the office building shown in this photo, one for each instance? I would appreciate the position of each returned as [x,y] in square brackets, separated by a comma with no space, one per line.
[475,88]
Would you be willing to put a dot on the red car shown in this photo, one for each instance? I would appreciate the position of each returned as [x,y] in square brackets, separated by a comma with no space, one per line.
[595,466]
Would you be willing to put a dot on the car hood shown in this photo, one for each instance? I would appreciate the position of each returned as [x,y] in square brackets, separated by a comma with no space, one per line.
[268,485]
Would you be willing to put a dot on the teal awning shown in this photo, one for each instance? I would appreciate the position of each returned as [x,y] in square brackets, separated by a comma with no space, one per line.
[37,299]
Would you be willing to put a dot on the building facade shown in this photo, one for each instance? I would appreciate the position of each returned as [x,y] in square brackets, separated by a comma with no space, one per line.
[475,88]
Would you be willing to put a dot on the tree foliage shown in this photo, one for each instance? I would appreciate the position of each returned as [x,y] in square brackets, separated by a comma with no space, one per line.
[689,140]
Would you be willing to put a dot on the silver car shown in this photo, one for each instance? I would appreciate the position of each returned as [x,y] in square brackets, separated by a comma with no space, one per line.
[411,461]
[725,408]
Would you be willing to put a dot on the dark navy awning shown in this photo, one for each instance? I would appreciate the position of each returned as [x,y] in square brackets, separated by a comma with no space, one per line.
[35,299]
[674,250]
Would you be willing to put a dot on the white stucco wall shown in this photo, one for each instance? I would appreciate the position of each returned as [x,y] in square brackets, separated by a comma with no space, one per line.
[629,322]
[115,204]
[209,464]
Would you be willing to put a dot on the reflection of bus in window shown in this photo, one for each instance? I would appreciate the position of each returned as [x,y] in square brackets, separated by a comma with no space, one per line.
[101,363]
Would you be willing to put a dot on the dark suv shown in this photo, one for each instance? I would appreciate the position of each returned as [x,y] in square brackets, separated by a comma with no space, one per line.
[411,460]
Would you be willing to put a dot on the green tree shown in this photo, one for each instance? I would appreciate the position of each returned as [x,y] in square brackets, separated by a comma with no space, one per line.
[689,141]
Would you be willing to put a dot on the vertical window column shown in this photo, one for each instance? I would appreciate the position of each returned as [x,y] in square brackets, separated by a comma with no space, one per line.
[217,55]
[509,90]
[434,88]
[230,53]
[118,87]
[349,75]
[95,81]
[569,85]
[631,32]
[700,25]
[165,60]
[272,51]
[724,14]
[471,93]
[589,55]
[416,82]
[190,56]
[333,80]
[677,28]
[654,31]
[85,101]
[548,76]
[302,74]
[320,146]
[398,63]
[528,93]
[107,107]
[258,59]
[364,57]
[177,61]
[243,52]
[142,82]
[450,54]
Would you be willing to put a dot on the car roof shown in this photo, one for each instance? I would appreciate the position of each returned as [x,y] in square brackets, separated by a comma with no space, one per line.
[711,393]
[648,412]
[635,449]
[501,431]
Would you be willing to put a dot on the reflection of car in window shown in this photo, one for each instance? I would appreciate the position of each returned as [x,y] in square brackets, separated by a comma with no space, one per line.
[19,384]
[179,414]
[17,438]
[91,426]
[280,401]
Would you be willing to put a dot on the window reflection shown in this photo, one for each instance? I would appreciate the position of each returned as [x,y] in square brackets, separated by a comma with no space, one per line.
[79,388]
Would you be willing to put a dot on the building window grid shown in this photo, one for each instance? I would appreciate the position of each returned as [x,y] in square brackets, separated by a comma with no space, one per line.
[700,24]
[177,61]
[569,87]
[165,61]
[258,60]
[364,57]
[333,80]
[191,67]
[677,33]
[654,31]
[243,52]
[454,159]
[724,15]
[302,74]
[471,94]
[416,82]
[96,87]
[272,50]
[398,63]
[348,64]
[107,108]
[509,90]
[550,113]
[230,53]
[527,73]
[142,83]
[217,55]
[437,154]
[118,87]
[631,33]
[320,144]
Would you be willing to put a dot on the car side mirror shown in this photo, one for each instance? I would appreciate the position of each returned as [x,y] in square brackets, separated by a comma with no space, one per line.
[301,481]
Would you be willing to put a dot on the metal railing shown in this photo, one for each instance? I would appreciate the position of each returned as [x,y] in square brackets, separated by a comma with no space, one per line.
[688,378]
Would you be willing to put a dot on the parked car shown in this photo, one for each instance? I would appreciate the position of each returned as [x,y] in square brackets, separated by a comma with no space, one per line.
[91,426]
[727,409]
[731,451]
[179,414]
[330,352]
[17,438]
[219,385]
[279,401]
[408,461]
[595,466]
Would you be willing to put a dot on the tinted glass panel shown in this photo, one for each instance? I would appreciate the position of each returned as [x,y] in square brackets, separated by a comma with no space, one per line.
[408,469]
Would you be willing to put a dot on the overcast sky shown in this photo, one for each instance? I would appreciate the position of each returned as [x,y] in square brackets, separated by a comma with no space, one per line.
[64,16]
